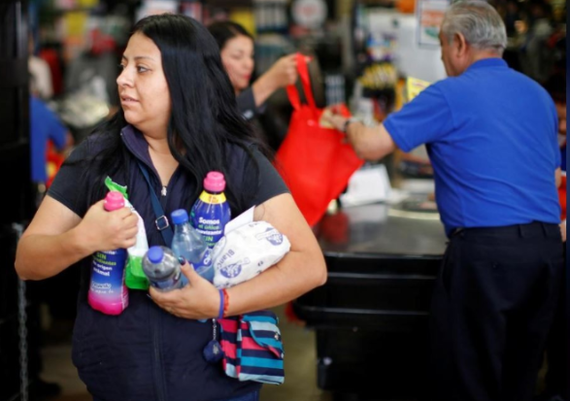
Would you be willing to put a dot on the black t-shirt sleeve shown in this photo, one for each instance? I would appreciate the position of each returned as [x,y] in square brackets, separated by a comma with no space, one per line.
[246,104]
[69,186]
[270,182]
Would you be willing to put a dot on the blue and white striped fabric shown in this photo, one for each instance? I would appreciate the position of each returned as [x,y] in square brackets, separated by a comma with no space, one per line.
[253,348]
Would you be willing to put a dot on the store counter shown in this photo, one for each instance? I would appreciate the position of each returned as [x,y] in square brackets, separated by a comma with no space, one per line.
[371,316]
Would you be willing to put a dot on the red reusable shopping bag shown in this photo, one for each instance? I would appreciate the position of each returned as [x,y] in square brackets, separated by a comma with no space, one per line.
[313,160]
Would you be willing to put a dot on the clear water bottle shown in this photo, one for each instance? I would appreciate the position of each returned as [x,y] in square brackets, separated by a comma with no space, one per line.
[189,244]
[211,212]
[107,291]
[162,269]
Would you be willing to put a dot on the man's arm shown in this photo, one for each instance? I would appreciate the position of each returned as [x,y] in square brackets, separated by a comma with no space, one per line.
[369,143]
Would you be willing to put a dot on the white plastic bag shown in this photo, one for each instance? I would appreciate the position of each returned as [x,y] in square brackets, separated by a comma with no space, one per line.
[247,251]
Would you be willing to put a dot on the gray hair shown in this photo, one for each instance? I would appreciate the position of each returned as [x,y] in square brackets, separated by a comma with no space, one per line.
[478,22]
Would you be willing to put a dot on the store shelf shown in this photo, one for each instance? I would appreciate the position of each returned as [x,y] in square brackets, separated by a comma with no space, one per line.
[230,3]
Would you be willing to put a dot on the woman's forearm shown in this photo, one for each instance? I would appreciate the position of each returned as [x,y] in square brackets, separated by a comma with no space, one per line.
[282,73]
[263,88]
[302,269]
[42,256]
[295,275]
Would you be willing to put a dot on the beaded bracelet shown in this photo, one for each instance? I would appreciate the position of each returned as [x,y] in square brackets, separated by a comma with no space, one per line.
[226,302]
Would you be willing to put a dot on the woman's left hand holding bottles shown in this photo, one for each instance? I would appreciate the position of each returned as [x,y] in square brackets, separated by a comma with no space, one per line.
[197,300]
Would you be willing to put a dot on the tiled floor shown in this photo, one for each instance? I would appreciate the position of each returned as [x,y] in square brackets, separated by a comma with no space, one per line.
[300,368]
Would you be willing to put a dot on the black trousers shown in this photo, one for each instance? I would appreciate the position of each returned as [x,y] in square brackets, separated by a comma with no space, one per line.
[492,308]
[556,380]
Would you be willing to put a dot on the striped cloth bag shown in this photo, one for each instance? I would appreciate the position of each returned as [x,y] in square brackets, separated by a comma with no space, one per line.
[252,347]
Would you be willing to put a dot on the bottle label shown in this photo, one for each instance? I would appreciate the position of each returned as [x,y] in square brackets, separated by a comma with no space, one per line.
[107,271]
[212,199]
[210,229]
[209,216]
[204,267]
[206,261]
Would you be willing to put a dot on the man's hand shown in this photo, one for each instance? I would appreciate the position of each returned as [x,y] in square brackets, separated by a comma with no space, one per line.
[369,143]
[335,120]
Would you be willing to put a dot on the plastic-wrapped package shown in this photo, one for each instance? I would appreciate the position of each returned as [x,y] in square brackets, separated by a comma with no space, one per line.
[246,252]
[135,278]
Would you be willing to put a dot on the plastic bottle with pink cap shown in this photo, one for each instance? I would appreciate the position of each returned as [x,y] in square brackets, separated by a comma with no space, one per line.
[211,212]
[107,291]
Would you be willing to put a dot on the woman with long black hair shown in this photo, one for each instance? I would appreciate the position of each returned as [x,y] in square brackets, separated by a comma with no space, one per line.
[237,46]
[178,120]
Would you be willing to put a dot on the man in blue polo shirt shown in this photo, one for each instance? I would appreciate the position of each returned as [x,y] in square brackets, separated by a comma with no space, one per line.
[491,134]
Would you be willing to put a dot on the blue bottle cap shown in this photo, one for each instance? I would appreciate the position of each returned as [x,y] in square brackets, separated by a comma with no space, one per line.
[155,254]
[179,216]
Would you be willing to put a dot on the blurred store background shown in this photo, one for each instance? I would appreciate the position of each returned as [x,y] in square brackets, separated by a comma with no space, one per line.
[373,55]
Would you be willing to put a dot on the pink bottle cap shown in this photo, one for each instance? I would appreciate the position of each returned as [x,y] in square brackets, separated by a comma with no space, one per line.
[114,200]
[214,182]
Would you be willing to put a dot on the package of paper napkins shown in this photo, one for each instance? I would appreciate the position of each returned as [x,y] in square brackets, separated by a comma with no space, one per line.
[246,251]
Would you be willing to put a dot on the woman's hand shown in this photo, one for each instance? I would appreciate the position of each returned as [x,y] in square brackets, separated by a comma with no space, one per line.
[284,71]
[197,300]
[281,74]
[57,237]
[103,231]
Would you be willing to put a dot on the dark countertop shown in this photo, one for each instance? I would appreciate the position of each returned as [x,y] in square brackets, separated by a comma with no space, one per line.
[382,261]
[381,229]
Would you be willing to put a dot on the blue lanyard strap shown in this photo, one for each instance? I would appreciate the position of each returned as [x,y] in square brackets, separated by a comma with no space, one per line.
[161,220]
